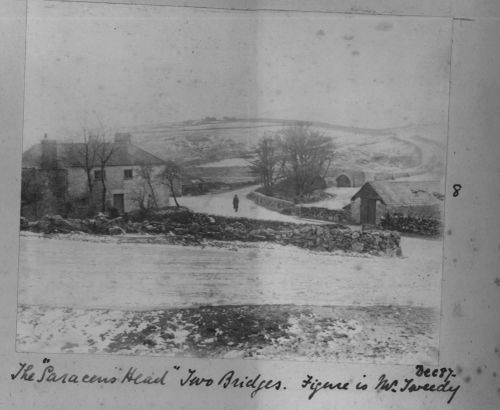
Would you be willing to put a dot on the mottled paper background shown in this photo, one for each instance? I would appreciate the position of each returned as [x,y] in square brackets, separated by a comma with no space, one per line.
[470,331]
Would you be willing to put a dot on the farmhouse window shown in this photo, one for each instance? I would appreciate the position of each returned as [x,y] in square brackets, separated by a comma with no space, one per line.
[127,174]
[98,174]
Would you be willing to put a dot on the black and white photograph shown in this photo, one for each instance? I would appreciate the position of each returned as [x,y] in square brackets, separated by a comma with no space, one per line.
[233,184]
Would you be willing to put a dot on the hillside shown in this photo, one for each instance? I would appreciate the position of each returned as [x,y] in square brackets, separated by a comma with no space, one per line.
[412,149]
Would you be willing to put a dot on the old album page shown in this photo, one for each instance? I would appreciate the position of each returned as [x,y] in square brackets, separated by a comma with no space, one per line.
[250,205]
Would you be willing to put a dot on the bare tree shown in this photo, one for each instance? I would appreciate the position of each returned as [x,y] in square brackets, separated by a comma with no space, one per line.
[103,153]
[147,175]
[84,156]
[140,197]
[266,164]
[307,154]
[171,176]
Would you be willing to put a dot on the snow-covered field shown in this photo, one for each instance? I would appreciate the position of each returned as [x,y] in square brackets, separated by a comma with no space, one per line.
[381,334]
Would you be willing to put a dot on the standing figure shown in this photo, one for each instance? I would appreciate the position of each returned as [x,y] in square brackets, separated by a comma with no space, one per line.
[236,202]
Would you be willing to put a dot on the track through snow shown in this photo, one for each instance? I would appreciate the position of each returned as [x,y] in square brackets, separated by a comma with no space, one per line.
[221,203]
[94,273]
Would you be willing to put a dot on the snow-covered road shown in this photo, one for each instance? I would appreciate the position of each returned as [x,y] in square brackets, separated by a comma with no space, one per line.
[222,204]
[103,273]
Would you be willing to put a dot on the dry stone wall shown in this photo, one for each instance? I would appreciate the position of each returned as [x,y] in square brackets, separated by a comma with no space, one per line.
[322,214]
[193,228]
[412,224]
[307,212]
[269,202]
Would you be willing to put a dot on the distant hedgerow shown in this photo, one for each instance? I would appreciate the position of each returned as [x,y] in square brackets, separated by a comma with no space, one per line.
[411,224]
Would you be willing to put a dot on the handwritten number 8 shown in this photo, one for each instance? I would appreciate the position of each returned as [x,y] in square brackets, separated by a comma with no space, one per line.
[456,188]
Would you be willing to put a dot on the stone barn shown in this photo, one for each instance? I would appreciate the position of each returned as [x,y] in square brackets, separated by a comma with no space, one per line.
[346,178]
[409,198]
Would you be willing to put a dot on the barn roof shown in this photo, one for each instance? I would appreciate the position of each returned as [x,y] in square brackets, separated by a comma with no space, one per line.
[70,154]
[405,193]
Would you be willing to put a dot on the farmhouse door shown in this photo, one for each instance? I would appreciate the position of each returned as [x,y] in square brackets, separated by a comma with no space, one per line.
[119,202]
[372,212]
[368,211]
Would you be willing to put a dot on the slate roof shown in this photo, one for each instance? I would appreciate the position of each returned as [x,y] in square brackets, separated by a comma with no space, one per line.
[68,154]
[406,193]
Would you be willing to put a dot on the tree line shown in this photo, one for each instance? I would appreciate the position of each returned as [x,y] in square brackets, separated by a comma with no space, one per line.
[295,156]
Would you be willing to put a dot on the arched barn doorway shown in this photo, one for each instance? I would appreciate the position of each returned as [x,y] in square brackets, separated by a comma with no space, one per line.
[343,181]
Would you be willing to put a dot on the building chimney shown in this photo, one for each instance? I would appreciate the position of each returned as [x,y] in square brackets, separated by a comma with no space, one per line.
[123,137]
[49,153]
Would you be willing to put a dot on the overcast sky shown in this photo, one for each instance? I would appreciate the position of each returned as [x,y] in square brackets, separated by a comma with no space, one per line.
[129,65]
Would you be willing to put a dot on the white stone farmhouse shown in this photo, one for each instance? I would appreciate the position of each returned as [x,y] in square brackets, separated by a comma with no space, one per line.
[126,188]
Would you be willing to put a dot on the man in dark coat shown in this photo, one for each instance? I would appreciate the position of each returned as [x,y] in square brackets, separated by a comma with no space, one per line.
[236,203]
